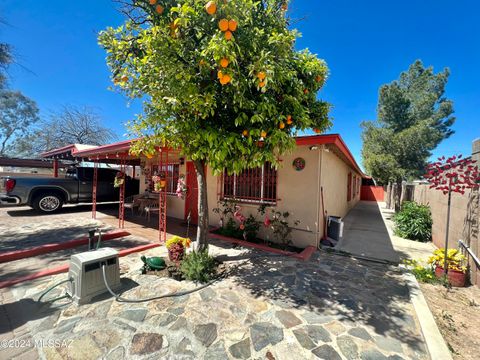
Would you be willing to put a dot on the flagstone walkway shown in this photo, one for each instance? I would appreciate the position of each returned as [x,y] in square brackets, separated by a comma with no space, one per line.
[331,307]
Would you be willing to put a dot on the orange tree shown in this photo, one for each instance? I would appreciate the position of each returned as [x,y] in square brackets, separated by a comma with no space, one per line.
[220,80]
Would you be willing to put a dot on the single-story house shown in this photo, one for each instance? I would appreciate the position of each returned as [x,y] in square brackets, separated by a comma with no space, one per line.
[320,166]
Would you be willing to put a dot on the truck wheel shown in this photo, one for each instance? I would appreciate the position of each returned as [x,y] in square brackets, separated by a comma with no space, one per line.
[47,202]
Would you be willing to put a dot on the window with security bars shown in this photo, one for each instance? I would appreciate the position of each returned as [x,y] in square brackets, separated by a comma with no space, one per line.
[173,173]
[252,185]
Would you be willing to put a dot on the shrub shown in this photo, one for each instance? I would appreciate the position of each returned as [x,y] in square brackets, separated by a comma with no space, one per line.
[422,273]
[414,222]
[198,266]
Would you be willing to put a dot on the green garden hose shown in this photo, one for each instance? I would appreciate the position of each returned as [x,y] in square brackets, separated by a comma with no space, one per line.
[53,287]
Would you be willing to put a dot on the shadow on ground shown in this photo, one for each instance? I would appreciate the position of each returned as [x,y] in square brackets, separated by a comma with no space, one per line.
[362,292]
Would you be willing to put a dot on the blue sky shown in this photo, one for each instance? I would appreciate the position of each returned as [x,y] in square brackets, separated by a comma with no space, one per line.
[366,44]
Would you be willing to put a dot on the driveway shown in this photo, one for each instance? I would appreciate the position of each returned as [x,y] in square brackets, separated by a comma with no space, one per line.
[331,307]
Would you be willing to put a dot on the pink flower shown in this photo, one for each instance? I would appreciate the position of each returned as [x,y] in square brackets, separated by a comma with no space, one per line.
[266,222]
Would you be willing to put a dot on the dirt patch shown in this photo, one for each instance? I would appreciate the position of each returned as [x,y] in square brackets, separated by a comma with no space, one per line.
[457,313]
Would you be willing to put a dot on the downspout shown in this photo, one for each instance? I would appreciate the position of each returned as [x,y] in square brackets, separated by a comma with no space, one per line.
[319,185]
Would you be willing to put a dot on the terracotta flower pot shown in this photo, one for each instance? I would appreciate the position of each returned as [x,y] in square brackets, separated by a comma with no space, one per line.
[455,278]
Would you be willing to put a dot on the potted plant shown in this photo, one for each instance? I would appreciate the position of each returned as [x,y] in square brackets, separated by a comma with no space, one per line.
[176,248]
[456,266]
[159,181]
[181,187]
[119,179]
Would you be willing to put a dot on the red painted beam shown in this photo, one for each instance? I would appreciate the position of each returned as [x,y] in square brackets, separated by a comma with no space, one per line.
[65,267]
[47,248]
[304,255]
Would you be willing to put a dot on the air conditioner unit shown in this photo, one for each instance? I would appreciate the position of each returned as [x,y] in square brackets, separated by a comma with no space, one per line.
[334,227]
[87,276]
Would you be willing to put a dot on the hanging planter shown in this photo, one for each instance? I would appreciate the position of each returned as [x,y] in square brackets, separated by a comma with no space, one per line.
[159,182]
[181,187]
[119,180]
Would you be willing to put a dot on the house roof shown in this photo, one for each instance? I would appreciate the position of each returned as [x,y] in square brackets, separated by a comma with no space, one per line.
[331,139]
[28,163]
[67,150]
[122,148]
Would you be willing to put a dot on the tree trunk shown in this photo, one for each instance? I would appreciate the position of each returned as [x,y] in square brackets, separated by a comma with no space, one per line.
[202,227]
[388,195]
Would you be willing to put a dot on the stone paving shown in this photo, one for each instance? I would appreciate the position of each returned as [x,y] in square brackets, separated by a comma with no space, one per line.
[331,307]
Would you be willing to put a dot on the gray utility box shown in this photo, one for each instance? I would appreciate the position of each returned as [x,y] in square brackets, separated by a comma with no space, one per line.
[334,227]
[87,275]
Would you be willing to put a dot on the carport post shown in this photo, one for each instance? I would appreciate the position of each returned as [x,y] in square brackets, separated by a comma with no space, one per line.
[55,168]
[94,190]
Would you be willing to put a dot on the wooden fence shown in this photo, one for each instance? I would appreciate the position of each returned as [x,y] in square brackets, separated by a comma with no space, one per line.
[372,193]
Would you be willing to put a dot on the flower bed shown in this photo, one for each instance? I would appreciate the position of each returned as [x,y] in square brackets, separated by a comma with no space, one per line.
[301,254]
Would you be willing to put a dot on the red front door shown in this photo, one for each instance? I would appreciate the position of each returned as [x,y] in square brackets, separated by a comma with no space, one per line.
[191,200]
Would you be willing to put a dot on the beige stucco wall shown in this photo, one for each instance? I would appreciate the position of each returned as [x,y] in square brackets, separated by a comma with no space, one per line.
[299,193]
[334,179]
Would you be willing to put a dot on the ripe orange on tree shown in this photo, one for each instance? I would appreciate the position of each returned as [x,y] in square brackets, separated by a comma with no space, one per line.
[219,74]
[281,125]
[228,35]
[225,79]
[232,25]
[263,134]
[153,2]
[159,9]
[211,8]
[223,25]
[224,62]
[318,78]
[261,75]
[318,131]
[261,84]
[245,133]
[289,120]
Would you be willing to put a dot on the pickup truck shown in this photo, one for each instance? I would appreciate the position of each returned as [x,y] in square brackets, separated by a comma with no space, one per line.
[48,194]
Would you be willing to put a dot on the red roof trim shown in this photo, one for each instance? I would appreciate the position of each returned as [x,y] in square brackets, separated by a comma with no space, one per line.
[333,139]
[61,150]
[114,147]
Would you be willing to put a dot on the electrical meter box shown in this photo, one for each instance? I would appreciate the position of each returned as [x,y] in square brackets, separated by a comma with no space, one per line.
[87,275]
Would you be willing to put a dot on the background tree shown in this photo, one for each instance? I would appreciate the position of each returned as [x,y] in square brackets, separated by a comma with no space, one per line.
[220,80]
[69,125]
[17,114]
[413,117]
[5,60]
